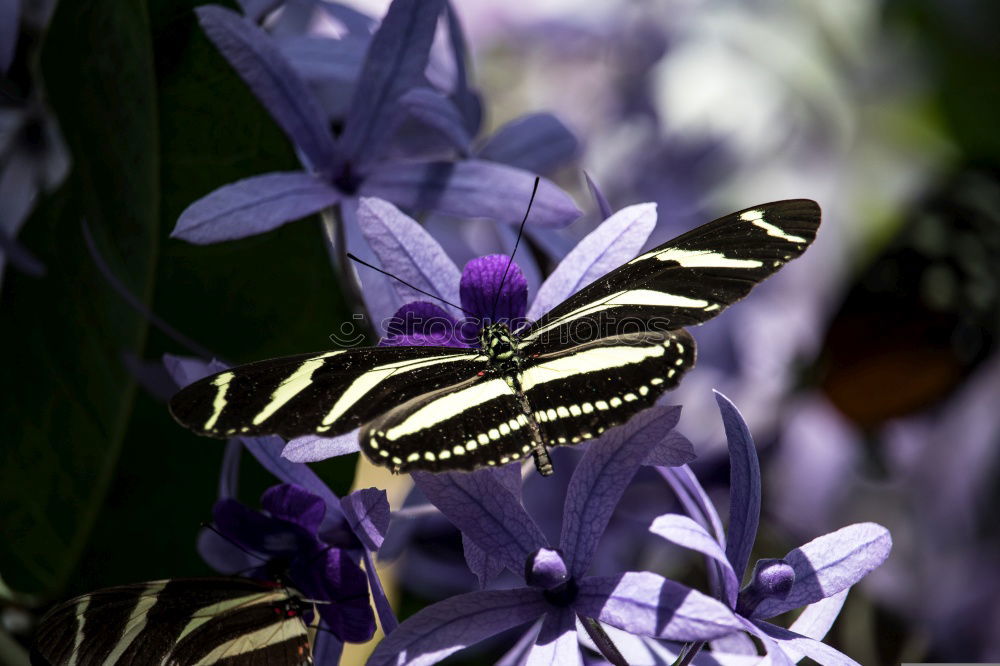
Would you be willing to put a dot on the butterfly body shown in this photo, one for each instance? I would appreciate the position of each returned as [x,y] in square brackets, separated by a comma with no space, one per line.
[592,362]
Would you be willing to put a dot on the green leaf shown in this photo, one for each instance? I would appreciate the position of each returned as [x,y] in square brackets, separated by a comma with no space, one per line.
[264,296]
[67,397]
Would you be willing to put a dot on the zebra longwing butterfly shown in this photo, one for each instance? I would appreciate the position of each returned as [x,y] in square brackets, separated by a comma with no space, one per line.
[180,622]
[590,363]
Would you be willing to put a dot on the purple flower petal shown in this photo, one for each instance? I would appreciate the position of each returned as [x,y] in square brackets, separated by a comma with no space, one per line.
[395,62]
[686,533]
[480,506]
[601,477]
[421,318]
[775,656]
[327,648]
[482,293]
[617,240]
[367,512]
[382,605]
[186,370]
[437,112]
[256,58]
[294,504]
[816,619]
[675,450]
[796,646]
[311,448]
[342,581]
[485,566]
[355,22]
[377,290]
[268,452]
[410,252]
[253,206]
[557,644]
[229,474]
[224,556]
[519,652]
[538,142]
[603,207]
[466,100]
[325,60]
[829,564]
[471,189]
[650,605]
[446,627]
[260,533]
[10,24]
[744,484]
[694,499]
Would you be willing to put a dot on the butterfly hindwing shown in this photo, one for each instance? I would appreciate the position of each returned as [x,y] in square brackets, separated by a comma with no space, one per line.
[478,423]
[327,393]
[685,281]
[577,394]
[181,621]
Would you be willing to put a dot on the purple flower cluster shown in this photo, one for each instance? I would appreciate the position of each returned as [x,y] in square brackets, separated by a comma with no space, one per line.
[382,123]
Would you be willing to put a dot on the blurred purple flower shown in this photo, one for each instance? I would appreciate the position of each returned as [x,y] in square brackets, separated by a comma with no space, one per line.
[409,252]
[354,525]
[556,588]
[819,572]
[390,89]
[33,159]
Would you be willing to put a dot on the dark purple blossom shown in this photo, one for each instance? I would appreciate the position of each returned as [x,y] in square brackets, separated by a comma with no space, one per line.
[287,536]
[391,87]
[818,573]
[556,587]
[329,536]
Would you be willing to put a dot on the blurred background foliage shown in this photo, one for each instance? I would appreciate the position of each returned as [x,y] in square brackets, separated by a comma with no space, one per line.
[894,106]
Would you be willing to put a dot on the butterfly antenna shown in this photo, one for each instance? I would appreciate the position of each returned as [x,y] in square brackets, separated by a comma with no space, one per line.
[210,526]
[399,279]
[520,232]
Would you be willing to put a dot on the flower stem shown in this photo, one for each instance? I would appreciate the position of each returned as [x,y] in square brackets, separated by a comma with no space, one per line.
[336,241]
[603,641]
[688,654]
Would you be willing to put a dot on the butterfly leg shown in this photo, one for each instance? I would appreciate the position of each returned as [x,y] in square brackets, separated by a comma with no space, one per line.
[543,463]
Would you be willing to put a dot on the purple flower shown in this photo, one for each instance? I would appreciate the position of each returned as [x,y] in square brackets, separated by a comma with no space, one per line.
[287,536]
[817,574]
[556,589]
[390,89]
[412,254]
[304,512]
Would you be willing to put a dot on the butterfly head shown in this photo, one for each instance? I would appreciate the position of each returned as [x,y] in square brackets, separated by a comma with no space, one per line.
[498,342]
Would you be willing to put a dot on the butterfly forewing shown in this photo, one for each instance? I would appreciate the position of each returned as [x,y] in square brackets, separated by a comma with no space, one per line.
[326,393]
[478,423]
[177,622]
[576,395]
[687,280]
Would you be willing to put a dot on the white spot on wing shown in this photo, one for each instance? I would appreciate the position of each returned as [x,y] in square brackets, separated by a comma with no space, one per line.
[589,360]
[369,380]
[221,383]
[756,218]
[702,259]
[296,382]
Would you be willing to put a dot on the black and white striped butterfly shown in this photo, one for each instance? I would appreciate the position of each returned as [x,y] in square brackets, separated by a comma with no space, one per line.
[590,363]
[180,622]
